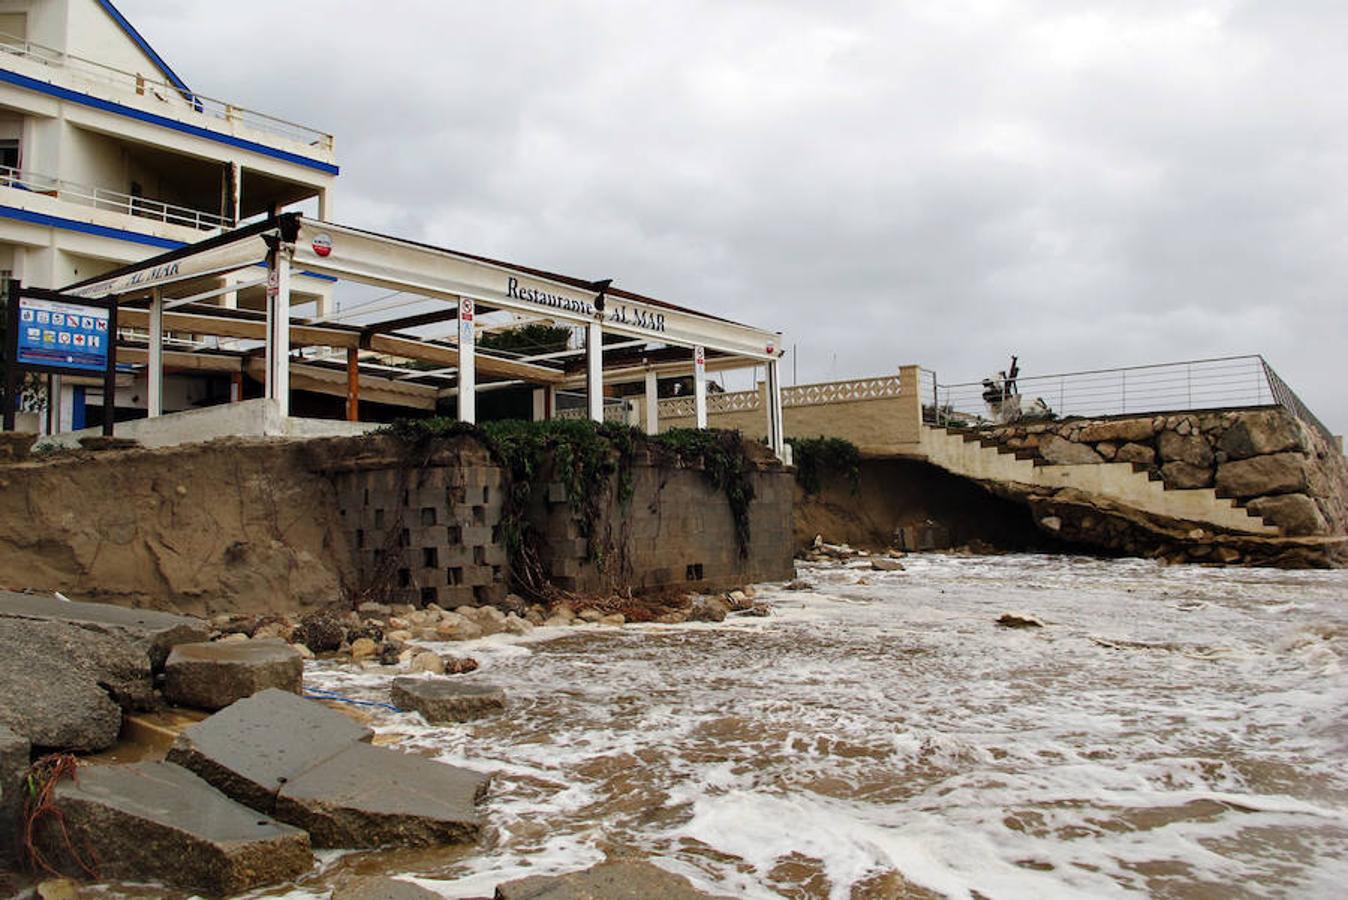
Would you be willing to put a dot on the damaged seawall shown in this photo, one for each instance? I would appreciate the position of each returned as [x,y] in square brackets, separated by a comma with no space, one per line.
[281,526]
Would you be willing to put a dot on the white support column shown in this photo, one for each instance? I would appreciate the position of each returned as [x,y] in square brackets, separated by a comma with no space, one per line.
[652,402]
[700,385]
[278,329]
[776,424]
[155,366]
[550,402]
[594,370]
[540,404]
[467,363]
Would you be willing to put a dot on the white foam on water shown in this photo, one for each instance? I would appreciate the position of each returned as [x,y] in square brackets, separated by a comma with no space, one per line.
[893,726]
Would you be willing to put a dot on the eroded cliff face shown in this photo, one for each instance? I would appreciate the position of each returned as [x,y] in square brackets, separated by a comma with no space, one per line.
[1266,458]
[232,525]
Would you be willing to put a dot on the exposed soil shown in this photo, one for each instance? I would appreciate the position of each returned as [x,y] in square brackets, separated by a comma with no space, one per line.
[230,525]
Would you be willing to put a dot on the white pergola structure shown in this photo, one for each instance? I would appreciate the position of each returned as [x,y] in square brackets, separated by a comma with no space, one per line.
[172,292]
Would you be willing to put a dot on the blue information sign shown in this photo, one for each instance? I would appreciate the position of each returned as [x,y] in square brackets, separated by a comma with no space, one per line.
[63,335]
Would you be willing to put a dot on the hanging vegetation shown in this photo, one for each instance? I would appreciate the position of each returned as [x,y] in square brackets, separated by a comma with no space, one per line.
[585,457]
[819,455]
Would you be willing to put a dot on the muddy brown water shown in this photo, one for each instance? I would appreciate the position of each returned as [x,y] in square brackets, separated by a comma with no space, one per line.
[1177,732]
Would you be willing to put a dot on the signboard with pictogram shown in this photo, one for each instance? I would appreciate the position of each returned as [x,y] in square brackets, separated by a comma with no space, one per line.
[57,334]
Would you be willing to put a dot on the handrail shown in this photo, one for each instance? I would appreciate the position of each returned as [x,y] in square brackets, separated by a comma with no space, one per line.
[163,90]
[1213,383]
[1288,399]
[115,201]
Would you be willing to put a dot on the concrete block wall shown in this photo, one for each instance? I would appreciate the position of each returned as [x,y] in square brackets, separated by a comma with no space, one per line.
[427,535]
[428,530]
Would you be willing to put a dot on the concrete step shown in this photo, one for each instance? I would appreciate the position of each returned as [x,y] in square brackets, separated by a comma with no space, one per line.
[1133,484]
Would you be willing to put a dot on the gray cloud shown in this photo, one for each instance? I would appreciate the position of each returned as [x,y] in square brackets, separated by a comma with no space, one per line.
[1085,184]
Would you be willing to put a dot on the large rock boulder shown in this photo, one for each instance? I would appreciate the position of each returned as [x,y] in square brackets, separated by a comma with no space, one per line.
[1261,433]
[256,746]
[1184,476]
[368,796]
[443,700]
[1135,453]
[154,633]
[214,675]
[65,686]
[1186,448]
[1280,473]
[158,822]
[14,755]
[1295,514]
[1118,430]
[1062,452]
[624,879]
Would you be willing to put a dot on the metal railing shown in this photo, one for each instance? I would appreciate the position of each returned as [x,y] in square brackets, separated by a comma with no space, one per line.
[113,201]
[1287,398]
[164,91]
[1218,383]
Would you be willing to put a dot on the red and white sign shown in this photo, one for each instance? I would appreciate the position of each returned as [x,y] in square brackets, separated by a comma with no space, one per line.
[700,357]
[466,309]
[322,244]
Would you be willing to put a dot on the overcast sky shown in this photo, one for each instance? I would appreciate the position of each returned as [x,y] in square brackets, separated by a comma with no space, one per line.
[1086,184]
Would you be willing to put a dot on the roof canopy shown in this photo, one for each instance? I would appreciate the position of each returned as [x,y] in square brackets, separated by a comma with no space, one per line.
[349,254]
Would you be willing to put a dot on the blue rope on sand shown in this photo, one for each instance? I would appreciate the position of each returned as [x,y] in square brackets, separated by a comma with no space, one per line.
[315,694]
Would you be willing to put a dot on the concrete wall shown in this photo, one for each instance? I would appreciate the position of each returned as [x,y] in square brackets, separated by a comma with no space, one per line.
[878,415]
[676,531]
[251,418]
[428,528]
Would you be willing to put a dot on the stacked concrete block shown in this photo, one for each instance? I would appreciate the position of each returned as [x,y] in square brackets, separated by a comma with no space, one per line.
[428,535]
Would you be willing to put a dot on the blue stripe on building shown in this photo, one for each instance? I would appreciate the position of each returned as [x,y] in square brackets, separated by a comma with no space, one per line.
[118,234]
[43,87]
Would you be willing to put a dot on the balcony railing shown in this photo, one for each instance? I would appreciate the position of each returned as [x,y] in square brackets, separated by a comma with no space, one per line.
[113,201]
[152,87]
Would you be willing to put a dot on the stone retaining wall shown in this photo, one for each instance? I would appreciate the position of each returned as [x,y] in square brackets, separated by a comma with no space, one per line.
[1266,458]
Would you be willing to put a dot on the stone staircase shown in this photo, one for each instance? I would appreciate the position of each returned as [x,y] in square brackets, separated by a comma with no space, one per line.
[972,455]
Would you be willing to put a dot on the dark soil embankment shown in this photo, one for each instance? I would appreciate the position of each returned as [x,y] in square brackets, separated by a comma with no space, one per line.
[892,494]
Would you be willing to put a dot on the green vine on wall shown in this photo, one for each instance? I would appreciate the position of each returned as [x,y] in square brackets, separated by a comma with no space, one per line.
[814,457]
[584,455]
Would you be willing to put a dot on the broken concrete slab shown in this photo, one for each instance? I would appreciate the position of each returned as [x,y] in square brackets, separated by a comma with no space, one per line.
[14,756]
[158,822]
[73,683]
[214,675]
[382,889]
[253,748]
[375,797]
[624,879]
[156,633]
[442,700]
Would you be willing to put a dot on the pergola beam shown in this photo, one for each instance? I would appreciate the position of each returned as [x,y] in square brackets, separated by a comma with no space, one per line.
[333,382]
[340,338]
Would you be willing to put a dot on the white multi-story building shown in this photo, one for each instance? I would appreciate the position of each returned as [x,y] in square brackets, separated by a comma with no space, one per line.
[108,157]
